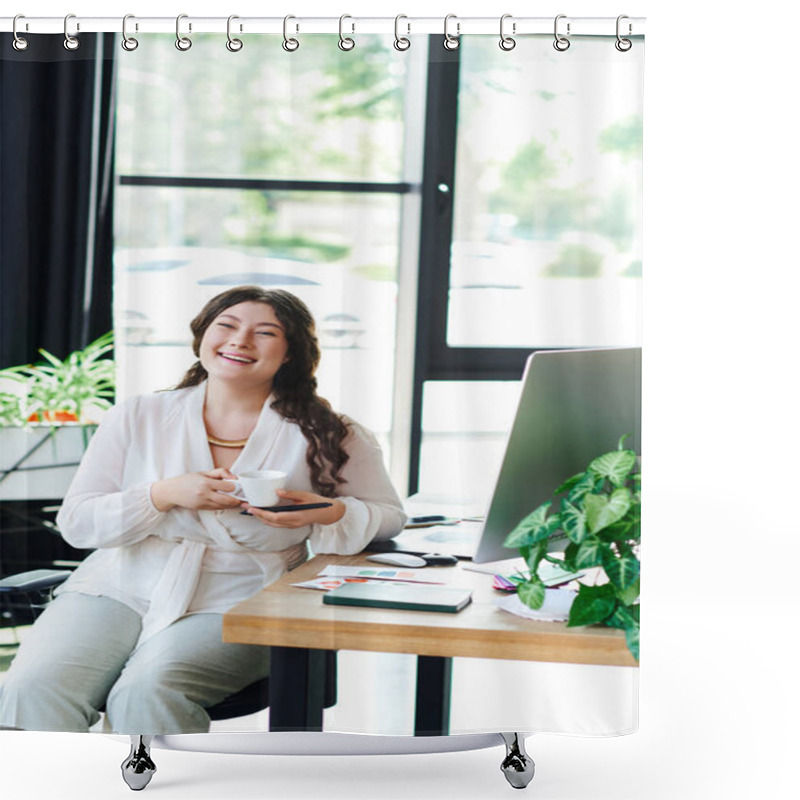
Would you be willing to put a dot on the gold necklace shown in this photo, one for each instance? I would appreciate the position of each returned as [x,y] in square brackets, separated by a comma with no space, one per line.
[226,442]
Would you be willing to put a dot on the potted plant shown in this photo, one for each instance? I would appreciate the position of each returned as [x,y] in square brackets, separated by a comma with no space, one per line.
[599,512]
[54,402]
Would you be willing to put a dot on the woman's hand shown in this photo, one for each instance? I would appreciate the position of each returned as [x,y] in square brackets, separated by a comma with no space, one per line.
[196,490]
[299,519]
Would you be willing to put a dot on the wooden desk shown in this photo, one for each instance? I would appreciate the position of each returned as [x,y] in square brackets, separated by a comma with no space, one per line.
[297,625]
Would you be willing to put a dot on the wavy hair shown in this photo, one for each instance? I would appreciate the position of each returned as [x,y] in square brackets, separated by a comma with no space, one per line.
[294,386]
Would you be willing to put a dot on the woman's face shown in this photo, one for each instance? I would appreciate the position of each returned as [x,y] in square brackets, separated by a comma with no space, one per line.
[245,344]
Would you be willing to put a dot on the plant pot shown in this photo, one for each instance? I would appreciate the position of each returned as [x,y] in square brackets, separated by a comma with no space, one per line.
[38,462]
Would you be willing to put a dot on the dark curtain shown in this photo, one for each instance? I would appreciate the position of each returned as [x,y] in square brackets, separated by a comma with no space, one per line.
[56,194]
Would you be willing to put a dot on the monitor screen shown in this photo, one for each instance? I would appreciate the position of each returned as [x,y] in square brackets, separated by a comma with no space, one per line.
[574,406]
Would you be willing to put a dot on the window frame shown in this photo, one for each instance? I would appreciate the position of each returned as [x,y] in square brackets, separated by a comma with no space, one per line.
[435,359]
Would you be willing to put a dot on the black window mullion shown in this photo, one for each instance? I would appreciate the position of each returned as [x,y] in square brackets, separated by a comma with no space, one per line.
[265,184]
[480,364]
[438,179]
[435,360]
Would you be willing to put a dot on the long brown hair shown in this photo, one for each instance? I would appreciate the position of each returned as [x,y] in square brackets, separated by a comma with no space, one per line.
[294,386]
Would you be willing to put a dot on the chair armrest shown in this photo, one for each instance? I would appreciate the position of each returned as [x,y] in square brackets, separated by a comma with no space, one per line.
[34,581]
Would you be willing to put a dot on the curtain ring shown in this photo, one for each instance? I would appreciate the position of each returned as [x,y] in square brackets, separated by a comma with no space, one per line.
[183,43]
[20,42]
[451,42]
[345,42]
[289,44]
[561,43]
[507,42]
[70,42]
[401,42]
[234,45]
[623,45]
[128,42]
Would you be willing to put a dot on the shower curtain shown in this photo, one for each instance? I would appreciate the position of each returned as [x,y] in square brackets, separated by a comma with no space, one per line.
[443,204]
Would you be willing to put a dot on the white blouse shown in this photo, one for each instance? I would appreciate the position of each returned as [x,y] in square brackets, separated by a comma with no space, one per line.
[168,564]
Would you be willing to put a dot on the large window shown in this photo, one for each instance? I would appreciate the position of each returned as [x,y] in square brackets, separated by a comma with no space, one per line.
[512,194]
[531,235]
[548,163]
[285,170]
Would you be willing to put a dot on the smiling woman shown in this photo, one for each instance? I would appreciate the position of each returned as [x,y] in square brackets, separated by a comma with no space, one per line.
[246,345]
[154,498]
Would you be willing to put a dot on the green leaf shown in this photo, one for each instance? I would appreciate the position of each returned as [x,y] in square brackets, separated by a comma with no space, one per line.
[573,521]
[81,378]
[626,619]
[56,362]
[526,531]
[614,465]
[552,525]
[585,485]
[623,571]
[570,553]
[536,554]
[619,531]
[602,511]
[621,618]
[532,593]
[630,595]
[625,549]
[594,604]
[626,529]
[632,640]
[569,483]
[590,553]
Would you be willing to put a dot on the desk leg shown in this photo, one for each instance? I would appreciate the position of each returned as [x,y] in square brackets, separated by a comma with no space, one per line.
[296,689]
[434,678]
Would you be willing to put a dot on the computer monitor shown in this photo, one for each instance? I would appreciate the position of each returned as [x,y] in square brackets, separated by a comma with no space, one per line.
[574,406]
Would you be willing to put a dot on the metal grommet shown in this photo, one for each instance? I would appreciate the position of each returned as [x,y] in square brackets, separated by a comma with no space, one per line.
[20,43]
[128,42]
[561,43]
[70,42]
[401,43]
[289,44]
[183,43]
[623,45]
[234,45]
[451,42]
[345,42]
[506,42]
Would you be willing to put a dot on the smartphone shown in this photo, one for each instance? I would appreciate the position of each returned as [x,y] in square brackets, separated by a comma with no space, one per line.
[298,507]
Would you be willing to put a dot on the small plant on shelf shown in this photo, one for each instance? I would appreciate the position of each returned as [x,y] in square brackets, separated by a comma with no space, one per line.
[599,513]
[55,391]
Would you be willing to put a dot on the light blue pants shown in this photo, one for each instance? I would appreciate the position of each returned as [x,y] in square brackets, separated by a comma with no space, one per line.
[81,654]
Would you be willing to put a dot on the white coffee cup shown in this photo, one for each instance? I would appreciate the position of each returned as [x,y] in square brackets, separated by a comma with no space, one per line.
[259,487]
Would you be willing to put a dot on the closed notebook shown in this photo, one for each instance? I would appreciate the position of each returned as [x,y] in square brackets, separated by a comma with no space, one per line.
[400,595]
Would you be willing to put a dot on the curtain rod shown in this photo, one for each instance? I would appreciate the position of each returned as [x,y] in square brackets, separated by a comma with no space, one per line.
[517,26]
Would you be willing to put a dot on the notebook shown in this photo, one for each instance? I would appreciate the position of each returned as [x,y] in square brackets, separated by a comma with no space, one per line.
[398,595]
